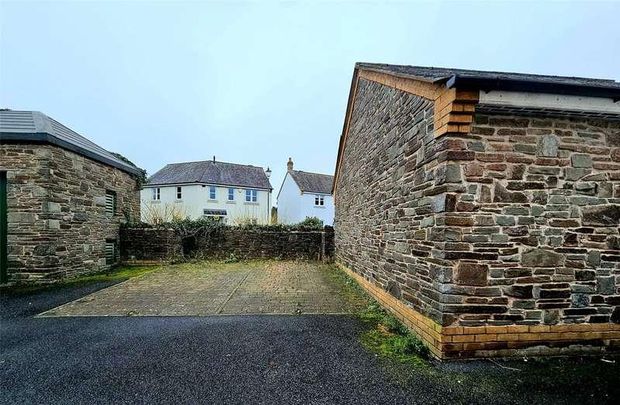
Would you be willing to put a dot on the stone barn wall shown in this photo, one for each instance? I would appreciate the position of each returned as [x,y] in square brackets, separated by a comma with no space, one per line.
[390,188]
[56,211]
[27,168]
[500,241]
[540,214]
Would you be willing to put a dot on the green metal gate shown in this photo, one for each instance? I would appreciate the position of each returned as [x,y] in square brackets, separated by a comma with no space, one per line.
[3,229]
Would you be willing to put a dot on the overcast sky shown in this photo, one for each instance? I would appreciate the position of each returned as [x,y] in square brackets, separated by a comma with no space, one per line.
[255,83]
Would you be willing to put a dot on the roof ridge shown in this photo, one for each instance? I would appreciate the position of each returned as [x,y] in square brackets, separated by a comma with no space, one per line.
[211,161]
[320,174]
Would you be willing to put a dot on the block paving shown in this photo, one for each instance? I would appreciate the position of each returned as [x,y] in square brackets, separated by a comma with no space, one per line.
[217,289]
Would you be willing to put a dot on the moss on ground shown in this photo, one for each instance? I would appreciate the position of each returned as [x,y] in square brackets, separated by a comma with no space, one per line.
[111,276]
[534,380]
[385,335]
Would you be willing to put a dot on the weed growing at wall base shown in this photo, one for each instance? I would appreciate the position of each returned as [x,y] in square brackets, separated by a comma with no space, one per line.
[385,335]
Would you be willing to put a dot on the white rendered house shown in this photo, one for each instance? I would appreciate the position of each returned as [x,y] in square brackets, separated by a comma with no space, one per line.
[233,193]
[304,195]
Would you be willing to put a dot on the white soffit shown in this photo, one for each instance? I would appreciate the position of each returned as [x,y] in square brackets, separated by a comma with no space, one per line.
[549,101]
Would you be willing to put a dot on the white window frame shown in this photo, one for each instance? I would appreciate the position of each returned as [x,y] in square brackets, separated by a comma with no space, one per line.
[319,200]
[251,195]
[219,217]
[212,193]
[156,194]
[179,193]
[231,194]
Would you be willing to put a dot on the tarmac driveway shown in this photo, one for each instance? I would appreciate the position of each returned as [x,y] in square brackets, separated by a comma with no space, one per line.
[211,288]
[318,359]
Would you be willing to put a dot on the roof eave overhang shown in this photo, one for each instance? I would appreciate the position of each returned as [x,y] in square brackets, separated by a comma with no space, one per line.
[43,137]
[199,183]
[529,86]
[315,192]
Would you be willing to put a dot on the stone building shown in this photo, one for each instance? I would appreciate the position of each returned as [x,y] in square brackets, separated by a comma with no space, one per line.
[62,200]
[483,208]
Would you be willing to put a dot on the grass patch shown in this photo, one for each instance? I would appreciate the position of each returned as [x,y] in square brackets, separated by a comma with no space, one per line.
[385,335]
[115,275]
[544,380]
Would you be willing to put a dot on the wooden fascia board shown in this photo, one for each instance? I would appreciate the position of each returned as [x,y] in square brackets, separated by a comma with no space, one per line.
[428,90]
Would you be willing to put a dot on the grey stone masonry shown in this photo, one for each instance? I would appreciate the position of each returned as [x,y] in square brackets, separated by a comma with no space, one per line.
[543,200]
[145,244]
[57,221]
[391,187]
[515,223]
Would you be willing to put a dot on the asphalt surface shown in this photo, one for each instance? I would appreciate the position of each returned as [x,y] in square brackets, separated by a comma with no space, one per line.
[218,359]
[235,360]
[24,305]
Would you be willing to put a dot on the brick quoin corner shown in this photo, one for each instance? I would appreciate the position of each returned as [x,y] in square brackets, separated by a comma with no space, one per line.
[488,231]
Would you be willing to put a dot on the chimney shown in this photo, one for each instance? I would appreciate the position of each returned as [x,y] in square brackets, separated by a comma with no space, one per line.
[213,158]
[289,164]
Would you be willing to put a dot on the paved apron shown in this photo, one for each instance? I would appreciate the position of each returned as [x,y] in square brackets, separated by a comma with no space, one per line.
[217,289]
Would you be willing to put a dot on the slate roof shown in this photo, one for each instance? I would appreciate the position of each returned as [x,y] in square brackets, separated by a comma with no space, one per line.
[34,126]
[488,80]
[210,172]
[312,182]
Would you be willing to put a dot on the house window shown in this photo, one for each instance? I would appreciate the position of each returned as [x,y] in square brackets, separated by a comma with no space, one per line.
[110,203]
[156,193]
[251,195]
[110,251]
[212,192]
[179,193]
[319,200]
[216,215]
[231,194]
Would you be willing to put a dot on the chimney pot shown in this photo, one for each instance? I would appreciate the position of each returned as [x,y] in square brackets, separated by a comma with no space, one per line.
[289,164]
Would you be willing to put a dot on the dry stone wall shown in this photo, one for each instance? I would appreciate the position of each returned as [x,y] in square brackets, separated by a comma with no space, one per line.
[144,244]
[57,219]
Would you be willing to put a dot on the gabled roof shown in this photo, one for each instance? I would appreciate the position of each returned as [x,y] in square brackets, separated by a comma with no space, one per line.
[488,80]
[211,172]
[34,126]
[312,182]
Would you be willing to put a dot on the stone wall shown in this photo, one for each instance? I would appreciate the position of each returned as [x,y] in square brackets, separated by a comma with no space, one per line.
[150,244]
[485,243]
[56,211]
[391,186]
[537,222]
[27,168]
[155,244]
